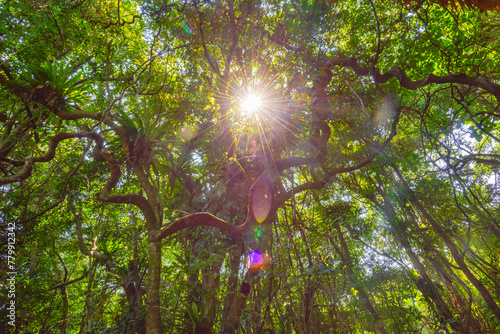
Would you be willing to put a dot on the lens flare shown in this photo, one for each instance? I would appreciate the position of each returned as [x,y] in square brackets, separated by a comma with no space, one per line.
[258,233]
[254,260]
[262,196]
[251,103]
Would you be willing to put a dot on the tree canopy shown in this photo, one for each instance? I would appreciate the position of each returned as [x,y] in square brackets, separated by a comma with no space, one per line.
[255,166]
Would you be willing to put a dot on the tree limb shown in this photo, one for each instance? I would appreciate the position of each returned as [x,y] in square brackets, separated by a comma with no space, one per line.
[406,82]
[138,200]
[69,282]
[50,154]
[63,192]
[198,219]
[81,244]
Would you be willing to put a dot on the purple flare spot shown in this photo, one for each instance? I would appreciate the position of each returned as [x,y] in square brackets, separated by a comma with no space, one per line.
[254,260]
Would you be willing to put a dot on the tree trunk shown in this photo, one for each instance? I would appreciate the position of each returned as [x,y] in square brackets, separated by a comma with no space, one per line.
[211,280]
[457,299]
[136,306]
[33,260]
[425,283]
[232,284]
[64,311]
[308,289]
[429,216]
[87,316]
[234,313]
[346,256]
[153,314]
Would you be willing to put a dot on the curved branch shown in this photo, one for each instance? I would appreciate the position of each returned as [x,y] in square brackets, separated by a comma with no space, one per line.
[63,192]
[26,94]
[114,168]
[198,219]
[320,134]
[69,282]
[300,188]
[406,82]
[99,155]
[138,200]
[50,154]
[322,183]
[291,162]
[461,162]
[301,161]
[81,244]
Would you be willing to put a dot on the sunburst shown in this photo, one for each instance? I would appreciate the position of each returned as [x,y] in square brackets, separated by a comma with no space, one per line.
[251,104]
[257,107]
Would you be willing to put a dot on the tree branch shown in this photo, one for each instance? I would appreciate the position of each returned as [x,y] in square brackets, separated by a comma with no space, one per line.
[99,155]
[374,154]
[50,154]
[81,244]
[63,192]
[212,64]
[69,282]
[198,219]
[141,202]
[234,38]
[206,219]
[406,82]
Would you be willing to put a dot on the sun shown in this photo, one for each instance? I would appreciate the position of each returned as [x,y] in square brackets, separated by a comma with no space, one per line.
[251,104]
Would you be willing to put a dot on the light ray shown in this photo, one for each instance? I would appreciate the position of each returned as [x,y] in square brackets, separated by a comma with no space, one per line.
[251,104]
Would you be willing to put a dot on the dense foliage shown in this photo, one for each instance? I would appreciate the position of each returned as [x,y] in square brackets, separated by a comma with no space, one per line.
[143,191]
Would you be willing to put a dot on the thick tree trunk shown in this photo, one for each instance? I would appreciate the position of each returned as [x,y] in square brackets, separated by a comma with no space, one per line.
[64,310]
[232,285]
[153,314]
[308,304]
[153,212]
[211,280]
[234,313]
[136,279]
